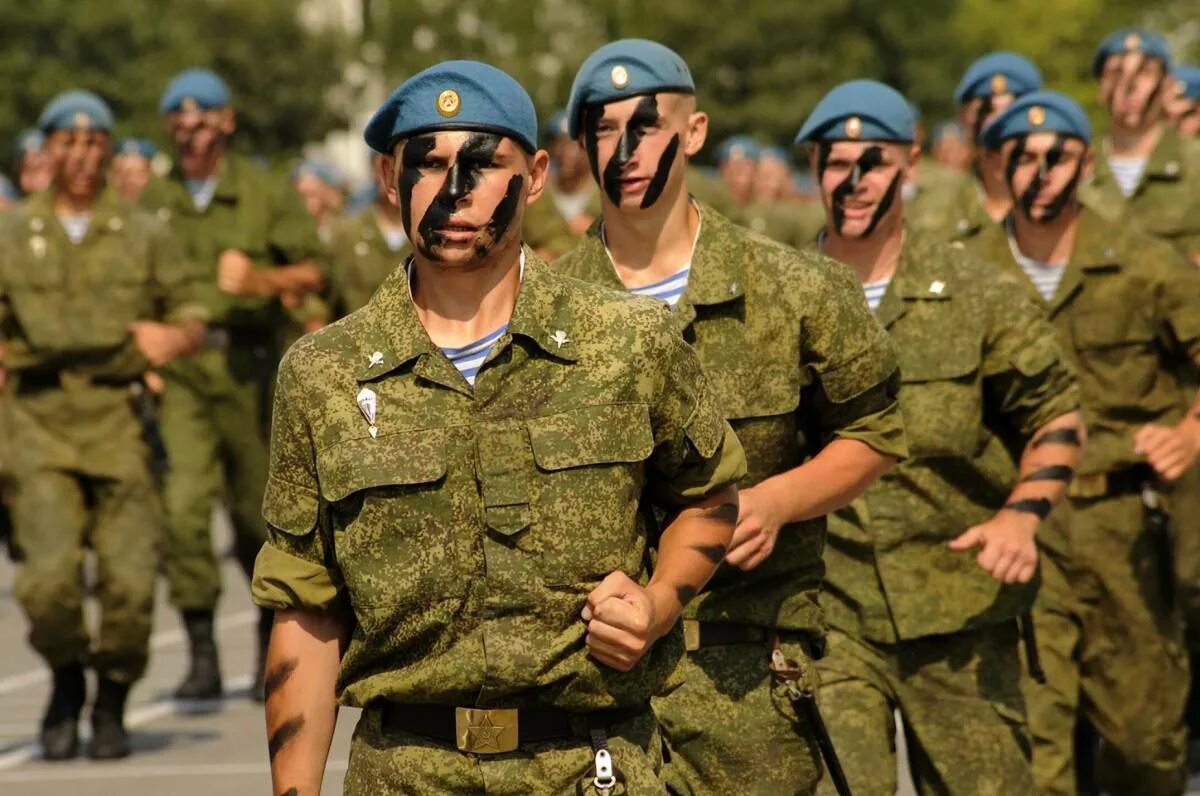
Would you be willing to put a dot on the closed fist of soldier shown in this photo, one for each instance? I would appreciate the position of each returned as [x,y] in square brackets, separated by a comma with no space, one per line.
[236,274]
[1009,553]
[1170,451]
[620,617]
[159,343]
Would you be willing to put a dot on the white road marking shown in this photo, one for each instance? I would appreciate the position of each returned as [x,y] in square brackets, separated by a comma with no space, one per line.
[77,774]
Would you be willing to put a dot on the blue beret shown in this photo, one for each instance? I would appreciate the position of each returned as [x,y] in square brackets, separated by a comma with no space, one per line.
[1128,40]
[73,110]
[998,73]
[861,109]
[201,86]
[775,153]
[623,69]
[8,190]
[141,147]
[948,129]
[30,140]
[738,146]
[1039,112]
[1189,76]
[555,126]
[325,172]
[361,196]
[455,95]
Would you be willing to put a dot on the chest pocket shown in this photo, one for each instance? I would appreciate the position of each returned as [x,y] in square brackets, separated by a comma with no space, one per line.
[941,396]
[398,531]
[587,483]
[1116,350]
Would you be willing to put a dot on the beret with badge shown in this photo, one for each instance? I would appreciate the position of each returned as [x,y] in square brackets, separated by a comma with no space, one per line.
[738,146]
[998,73]
[860,110]
[1189,76]
[623,69]
[1039,112]
[1129,40]
[76,110]
[455,95]
[195,89]
[136,147]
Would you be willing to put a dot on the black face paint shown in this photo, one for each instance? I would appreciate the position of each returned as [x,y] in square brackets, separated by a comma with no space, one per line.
[871,158]
[645,115]
[986,104]
[475,154]
[1045,165]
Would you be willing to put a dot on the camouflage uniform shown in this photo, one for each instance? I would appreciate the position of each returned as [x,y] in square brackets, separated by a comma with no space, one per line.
[515,499]
[82,478]
[796,361]
[950,207]
[792,223]
[362,259]
[916,626]
[546,231]
[1109,628]
[214,409]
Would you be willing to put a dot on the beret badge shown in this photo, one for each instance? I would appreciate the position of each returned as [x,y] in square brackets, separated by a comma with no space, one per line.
[448,103]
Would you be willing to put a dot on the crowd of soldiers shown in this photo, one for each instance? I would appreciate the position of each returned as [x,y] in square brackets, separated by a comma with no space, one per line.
[587,470]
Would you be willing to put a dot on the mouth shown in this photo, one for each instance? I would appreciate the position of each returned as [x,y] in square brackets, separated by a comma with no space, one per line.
[631,186]
[457,232]
[856,210]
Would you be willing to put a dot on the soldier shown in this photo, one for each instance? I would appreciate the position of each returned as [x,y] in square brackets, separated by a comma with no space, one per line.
[979,199]
[920,623]
[366,248]
[32,167]
[93,293]
[1124,306]
[775,210]
[9,195]
[570,190]
[261,250]
[950,148]
[1146,175]
[806,378]
[1184,109]
[456,476]
[130,171]
[322,190]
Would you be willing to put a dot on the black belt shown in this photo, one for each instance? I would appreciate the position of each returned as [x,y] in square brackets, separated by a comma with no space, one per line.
[29,382]
[1127,481]
[497,730]
[697,634]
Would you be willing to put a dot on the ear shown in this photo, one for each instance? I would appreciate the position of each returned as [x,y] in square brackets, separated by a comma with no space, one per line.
[913,165]
[697,133]
[385,174]
[539,172]
[228,122]
[1089,164]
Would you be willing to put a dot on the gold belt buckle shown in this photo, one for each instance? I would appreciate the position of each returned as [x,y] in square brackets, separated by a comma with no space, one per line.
[691,634]
[485,731]
[1088,485]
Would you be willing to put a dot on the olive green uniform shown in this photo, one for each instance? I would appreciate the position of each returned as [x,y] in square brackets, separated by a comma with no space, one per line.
[362,259]
[796,361]
[792,223]
[465,537]
[546,231]
[915,626]
[214,408]
[948,205]
[1109,628]
[82,478]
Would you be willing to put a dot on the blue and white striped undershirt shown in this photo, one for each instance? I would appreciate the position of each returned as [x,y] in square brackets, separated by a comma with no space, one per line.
[668,290]
[1046,277]
[76,226]
[1128,172]
[875,292]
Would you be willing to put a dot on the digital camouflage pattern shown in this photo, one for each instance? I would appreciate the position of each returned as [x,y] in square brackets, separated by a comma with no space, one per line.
[960,696]
[362,259]
[1109,625]
[971,399]
[214,411]
[384,761]
[795,360]
[466,536]
[1165,204]
[82,476]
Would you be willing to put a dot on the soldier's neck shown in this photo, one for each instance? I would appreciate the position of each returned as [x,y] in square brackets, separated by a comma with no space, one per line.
[873,258]
[202,167]
[1052,242]
[458,306]
[571,183]
[1135,142]
[656,241]
[387,215]
[996,199]
[67,204]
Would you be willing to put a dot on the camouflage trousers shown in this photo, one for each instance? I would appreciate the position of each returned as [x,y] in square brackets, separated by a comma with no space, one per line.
[385,761]
[730,730]
[211,422]
[1110,637]
[960,699]
[1185,516]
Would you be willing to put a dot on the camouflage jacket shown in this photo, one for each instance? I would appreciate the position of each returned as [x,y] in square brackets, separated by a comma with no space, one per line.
[980,372]
[362,259]
[948,205]
[796,361]
[252,211]
[1165,204]
[466,533]
[792,223]
[1127,313]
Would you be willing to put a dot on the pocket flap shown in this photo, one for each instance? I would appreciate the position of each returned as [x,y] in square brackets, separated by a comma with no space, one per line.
[405,459]
[592,435]
[950,360]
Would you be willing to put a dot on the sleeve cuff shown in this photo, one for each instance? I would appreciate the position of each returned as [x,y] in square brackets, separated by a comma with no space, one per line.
[282,581]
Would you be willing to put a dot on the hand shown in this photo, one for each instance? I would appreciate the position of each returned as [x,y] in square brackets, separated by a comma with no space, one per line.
[159,343]
[757,528]
[1170,451]
[154,382]
[237,276]
[1009,552]
[621,621]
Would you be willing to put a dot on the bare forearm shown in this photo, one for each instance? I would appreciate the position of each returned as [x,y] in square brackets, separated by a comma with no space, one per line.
[689,552]
[300,279]
[302,666]
[1047,466]
[830,480]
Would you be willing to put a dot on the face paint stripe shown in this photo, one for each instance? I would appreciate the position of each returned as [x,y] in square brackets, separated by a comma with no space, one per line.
[475,154]
[871,158]
[645,115]
[659,180]
[503,215]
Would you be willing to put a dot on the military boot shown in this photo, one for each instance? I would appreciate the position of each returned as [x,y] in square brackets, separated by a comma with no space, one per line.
[60,724]
[266,619]
[203,680]
[109,738]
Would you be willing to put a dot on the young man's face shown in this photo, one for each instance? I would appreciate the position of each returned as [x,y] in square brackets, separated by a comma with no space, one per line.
[129,175]
[313,195]
[772,180]
[975,114]
[199,133]
[860,183]
[638,147]
[1043,171]
[570,161]
[462,194]
[1130,84]
[79,158]
[36,171]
